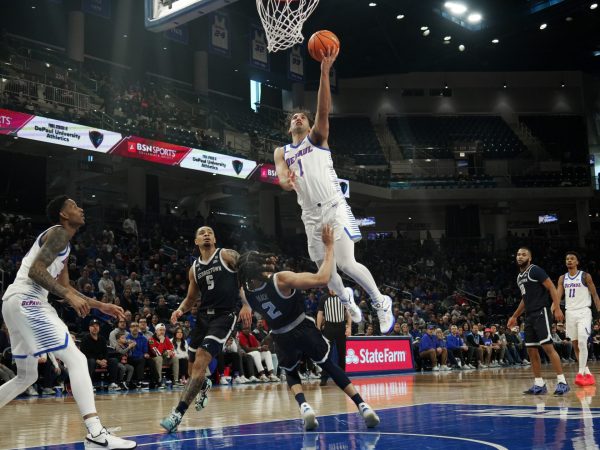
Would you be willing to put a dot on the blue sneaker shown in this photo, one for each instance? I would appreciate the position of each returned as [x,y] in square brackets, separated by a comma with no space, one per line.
[562,389]
[172,421]
[537,390]
[202,397]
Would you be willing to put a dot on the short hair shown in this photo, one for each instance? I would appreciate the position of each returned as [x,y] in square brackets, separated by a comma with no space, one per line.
[54,208]
[524,247]
[575,254]
[252,266]
[306,112]
[119,334]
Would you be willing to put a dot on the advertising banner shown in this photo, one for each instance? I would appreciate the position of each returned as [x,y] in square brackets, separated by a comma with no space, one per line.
[378,355]
[69,134]
[296,63]
[150,150]
[179,34]
[218,163]
[266,173]
[218,42]
[97,7]
[12,121]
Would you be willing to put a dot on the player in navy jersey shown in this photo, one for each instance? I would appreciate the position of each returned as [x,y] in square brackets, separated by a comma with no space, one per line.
[212,279]
[277,297]
[539,299]
[578,288]
[306,167]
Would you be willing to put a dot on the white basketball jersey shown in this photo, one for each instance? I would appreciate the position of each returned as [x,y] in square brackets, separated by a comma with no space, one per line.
[316,180]
[25,285]
[577,294]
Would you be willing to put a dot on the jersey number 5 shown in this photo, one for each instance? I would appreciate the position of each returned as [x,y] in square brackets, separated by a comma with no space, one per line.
[271,310]
[210,282]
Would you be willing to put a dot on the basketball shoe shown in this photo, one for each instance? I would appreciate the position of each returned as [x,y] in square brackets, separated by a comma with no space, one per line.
[172,421]
[202,397]
[309,418]
[105,440]
[580,380]
[536,390]
[367,413]
[352,307]
[384,314]
[561,389]
[589,379]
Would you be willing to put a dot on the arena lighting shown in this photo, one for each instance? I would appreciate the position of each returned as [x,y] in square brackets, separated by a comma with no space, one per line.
[543,26]
[410,218]
[400,16]
[474,18]
[461,48]
[562,84]
[426,32]
[569,19]
[164,48]
[593,5]
[495,41]
[597,53]
[424,27]
[456,8]
[372,4]
[93,195]
[48,65]
[387,86]
[124,35]
[504,85]
[447,38]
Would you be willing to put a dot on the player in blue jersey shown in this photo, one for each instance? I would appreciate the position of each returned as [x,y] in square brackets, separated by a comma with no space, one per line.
[306,166]
[539,299]
[277,297]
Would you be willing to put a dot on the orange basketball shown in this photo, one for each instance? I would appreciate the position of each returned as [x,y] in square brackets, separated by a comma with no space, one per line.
[322,40]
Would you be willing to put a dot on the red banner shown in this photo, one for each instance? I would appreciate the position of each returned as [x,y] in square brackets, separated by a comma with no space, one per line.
[267,174]
[12,121]
[150,150]
[378,355]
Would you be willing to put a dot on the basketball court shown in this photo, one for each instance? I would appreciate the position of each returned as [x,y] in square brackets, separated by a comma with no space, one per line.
[453,410]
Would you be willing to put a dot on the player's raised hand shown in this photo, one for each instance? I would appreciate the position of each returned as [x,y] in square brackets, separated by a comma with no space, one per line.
[329,57]
[327,235]
[112,310]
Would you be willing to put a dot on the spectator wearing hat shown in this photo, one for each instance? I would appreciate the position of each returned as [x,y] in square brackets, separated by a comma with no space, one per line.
[428,349]
[95,349]
[163,353]
[106,282]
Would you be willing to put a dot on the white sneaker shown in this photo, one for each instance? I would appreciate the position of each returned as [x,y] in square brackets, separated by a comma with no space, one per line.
[274,378]
[283,378]
[309,418]
[435,369]
[371,418]
[352,307]
[105,440]
[263,379]
[113,387]
[384,314]
[314,376]
[238,380]
[224,380]
[253,379]
[445,368]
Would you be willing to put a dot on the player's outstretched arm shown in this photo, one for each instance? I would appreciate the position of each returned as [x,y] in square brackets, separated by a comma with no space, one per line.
[190,298]
[560,287]
[290,280]
[513,320]
[593,292]
[56,240]
[320,130]
[286,176]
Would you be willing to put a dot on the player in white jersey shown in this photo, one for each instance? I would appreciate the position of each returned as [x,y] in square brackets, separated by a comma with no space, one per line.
[578,288]
[35,328]
[306,166]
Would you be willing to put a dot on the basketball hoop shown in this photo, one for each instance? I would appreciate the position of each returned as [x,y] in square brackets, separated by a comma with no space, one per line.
[283,20]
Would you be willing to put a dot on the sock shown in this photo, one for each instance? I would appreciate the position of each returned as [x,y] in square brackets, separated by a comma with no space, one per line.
[357,399]
[93,425]
[300,398]
[539,382]
[586,371]
[561,378]
[182,407]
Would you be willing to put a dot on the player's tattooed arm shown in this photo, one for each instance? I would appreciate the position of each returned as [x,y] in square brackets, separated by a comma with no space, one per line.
[56,240]
[231,258]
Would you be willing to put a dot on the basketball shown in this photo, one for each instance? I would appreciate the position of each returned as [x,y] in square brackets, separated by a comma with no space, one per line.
[321,41]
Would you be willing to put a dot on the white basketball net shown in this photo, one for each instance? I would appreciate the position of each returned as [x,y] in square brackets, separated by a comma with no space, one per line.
[283,20]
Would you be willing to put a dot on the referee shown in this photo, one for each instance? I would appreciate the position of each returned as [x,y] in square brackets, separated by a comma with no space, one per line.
[336,324]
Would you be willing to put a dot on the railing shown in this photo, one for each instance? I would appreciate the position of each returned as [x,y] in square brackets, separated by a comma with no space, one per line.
[45,93]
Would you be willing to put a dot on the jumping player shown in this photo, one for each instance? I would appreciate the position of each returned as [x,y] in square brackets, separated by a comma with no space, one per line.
[276,295]
[35,328]
[212,278]
[306,167]
[578,288]
[536,289]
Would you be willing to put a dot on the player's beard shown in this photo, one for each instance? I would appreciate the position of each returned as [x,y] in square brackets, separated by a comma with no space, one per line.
[523,264]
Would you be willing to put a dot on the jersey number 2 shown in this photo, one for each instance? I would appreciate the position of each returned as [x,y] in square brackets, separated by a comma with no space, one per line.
[271,310]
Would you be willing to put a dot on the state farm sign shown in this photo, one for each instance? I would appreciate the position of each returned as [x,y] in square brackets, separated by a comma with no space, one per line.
[379,354]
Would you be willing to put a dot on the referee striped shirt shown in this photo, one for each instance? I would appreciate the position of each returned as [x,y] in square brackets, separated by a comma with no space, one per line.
[333,309]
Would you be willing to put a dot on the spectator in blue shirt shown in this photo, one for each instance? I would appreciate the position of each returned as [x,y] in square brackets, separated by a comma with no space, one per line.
[458,351]
[139,354]
[429,349]
[440,343]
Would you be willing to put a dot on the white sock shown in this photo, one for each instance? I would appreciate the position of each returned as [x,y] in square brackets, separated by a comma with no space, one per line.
[93,425]
[539,382]
[561,378]
[586,371]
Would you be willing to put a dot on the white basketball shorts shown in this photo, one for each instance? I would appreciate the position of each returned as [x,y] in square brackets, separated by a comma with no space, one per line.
[34,326]
[578,319]
[336,213]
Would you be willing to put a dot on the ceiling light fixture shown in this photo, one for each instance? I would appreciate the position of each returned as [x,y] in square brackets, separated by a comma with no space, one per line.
[426,32]
[593,5]
[474,18]
[400,16]
[424,27]
[543,26]
[569,19]
[456,8]
[372,4]
[495,41]
[461,48]
[447,38]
